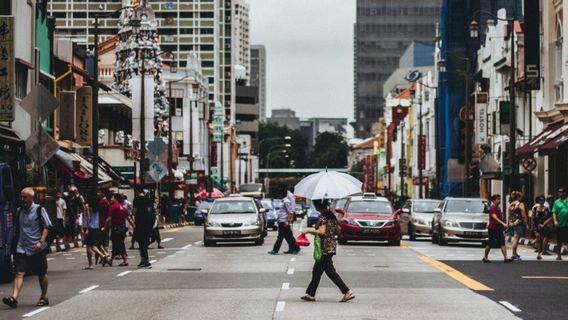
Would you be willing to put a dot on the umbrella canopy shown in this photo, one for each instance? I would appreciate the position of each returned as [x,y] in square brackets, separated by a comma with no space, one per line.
[328,185]
[215,194]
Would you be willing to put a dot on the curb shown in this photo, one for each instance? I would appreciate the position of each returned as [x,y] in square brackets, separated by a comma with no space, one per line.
[552,247]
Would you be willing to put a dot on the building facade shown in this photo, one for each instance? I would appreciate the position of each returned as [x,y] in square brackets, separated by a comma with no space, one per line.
[383,31]
[258,76]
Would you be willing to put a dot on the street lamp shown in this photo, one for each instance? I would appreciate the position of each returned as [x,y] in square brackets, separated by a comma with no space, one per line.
[442,65]
[270,151]
[513,165]
[135,24]
[272,139]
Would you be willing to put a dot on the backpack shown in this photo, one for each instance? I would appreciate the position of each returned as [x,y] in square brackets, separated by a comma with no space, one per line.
[50,230]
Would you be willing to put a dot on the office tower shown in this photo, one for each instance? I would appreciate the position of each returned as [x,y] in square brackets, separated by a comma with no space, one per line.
[383,30]
[258,76]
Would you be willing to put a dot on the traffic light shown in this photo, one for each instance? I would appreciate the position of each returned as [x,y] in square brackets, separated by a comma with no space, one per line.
[461,142]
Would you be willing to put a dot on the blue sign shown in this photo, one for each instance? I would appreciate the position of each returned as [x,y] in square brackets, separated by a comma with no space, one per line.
[168,5]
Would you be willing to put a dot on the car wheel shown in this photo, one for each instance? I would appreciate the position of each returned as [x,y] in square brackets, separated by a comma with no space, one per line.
[265,233]
[441,240]
[411,232]
[394,243]
[260,241]
[208,243]
[341,241]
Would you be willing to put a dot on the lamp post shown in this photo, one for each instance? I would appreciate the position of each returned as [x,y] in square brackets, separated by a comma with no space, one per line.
[272,139]
[513,165]
[134,23]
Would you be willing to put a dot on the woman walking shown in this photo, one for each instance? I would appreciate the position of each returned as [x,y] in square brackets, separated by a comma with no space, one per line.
[541,223]
[92,235]
[496,229]
[517,220]
[116,221]
[327,227]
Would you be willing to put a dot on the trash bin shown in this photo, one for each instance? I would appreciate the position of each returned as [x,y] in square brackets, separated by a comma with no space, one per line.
[190,214]
[174,213]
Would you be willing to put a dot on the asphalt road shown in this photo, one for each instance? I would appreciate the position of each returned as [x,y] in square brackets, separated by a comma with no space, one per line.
[240,281]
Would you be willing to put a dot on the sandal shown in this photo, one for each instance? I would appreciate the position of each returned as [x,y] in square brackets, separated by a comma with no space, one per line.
[11,302]
[348,296]
[124,264]
[485,260]
[43,302]
[308,298]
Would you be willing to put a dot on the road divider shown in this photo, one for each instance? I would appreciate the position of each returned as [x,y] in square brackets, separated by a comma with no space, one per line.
[286,286]
[280,306]
[88,289]
[122,274]
[545,277]
[510,306]
[167,239]
[456,275]
[290,271]
[185,248]
[33,313]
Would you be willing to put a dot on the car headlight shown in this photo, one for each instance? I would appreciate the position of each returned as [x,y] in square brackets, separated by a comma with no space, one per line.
[348,221]
[450,224]
[213,224]
[391,223]
[251,223]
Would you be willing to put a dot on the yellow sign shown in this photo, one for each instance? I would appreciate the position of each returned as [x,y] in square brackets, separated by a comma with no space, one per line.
[381,134]
[84,118]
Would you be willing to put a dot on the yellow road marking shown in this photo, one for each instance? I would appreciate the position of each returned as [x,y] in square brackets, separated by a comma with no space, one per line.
[545,277]
[456,275]
[404,245]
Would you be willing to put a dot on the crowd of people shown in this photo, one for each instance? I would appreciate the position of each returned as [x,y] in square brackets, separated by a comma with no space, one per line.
[547,219]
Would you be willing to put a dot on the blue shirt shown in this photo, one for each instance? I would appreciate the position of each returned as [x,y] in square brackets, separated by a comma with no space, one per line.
[31,228]
[285,210]
[94,219]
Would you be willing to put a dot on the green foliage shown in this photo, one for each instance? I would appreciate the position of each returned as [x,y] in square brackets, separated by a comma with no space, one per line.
[271,136]
[357,170]
[330,151]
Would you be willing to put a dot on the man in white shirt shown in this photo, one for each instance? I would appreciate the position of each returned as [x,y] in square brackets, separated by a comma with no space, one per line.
[61,207]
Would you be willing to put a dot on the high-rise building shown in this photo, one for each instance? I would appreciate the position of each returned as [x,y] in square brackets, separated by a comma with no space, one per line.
[258,76]
[212,29]
[383,31]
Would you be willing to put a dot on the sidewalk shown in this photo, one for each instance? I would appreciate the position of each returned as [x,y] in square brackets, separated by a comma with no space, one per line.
[527,241]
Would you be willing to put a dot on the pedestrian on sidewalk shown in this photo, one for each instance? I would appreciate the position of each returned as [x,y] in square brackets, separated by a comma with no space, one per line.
[144,216]
[285,221]
[116,222]
[541,226]
[93,234]
[327,227]
[61,207]
[29,248]
[560,216]
[75,207]
[496,229]
[517,221]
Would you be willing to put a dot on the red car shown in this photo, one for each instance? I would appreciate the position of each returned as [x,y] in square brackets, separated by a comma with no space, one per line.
[368,217]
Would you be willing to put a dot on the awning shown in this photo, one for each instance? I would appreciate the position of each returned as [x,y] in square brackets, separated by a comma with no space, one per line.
[537,142]
[72,163]
[557,139]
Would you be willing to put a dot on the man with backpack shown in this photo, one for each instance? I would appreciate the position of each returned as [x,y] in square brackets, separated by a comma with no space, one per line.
[29,247]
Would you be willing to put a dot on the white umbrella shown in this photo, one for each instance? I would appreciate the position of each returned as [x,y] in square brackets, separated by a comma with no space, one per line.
[327,185]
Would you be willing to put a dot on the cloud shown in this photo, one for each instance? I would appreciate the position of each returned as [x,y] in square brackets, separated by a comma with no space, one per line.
[310,54]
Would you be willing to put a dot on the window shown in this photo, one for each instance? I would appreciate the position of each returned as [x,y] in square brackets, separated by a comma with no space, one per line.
[206,31]
[186,14]
[206,14]
[206,47]
[21,81]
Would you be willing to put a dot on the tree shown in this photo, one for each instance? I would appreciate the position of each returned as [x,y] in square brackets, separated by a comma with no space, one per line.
[270,136]
[330,151]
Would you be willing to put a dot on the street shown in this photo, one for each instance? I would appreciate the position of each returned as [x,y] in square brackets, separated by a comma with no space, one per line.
[240,281]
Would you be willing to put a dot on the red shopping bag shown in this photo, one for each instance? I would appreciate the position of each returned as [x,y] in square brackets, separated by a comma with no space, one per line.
[302,241]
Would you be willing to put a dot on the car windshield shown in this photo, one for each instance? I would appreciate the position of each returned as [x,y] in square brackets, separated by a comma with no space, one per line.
[277,203]
[254,187]
[467,206]
[340,203]
[267,204]
[233,207]
[363,206]
[205,205]
[425,206]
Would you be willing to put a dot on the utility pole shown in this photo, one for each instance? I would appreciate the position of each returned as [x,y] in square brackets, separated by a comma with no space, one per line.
[95,112]
[467,182]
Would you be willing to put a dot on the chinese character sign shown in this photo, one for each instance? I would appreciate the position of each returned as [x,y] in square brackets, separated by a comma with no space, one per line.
[219,116]
[7,68]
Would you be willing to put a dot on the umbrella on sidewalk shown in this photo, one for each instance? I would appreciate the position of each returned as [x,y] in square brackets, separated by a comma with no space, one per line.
[328,185]
[215,194]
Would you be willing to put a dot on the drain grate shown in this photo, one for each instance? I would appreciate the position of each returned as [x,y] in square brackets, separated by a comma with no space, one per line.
[185,269]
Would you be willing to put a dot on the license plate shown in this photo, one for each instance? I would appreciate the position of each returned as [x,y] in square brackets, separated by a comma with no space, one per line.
[372,230]
[232,232]
[472,233]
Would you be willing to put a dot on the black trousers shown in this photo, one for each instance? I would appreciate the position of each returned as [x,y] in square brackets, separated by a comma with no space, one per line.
[285,232]
[325,265]
[143,239]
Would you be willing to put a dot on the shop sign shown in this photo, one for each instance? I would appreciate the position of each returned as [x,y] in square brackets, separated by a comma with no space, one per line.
[219,117]
[422,152]
[481,118]
[84,120]
[67,115]
[7,61]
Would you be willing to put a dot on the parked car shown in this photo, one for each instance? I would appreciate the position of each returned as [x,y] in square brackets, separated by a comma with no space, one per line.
[368,217]
[299,211]
[421,212]
[271,213]
[277,203]
[460,219]
[201,212]
[235,219]
[254,190]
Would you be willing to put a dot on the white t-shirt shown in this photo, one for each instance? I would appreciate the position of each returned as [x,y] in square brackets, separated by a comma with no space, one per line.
[61,205]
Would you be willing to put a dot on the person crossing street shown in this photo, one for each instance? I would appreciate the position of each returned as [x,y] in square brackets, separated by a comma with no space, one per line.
[285,220]
[144,218]
[560,216]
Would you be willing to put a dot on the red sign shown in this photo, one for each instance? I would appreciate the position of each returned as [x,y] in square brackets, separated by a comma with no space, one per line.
[422,152]
[529,164]
[425,181]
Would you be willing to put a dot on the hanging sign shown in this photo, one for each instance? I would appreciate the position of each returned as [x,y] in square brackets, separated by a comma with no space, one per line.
[84,119]
[219,117]
[481,118]
[7,61]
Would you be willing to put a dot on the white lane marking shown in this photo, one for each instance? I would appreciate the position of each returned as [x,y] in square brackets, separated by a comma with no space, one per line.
[186,247]
[83,254]
[33,313]
[286,286]
[151,256]
[153,261]
[66,254]
[510,306]
[50,259]
[167,239]
[89,289]
[280,306]
[70,258]
[293,259]
[122,274]
[290,271]
[198,242]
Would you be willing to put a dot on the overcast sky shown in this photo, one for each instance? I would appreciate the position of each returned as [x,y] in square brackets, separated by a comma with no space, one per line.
[309,45]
